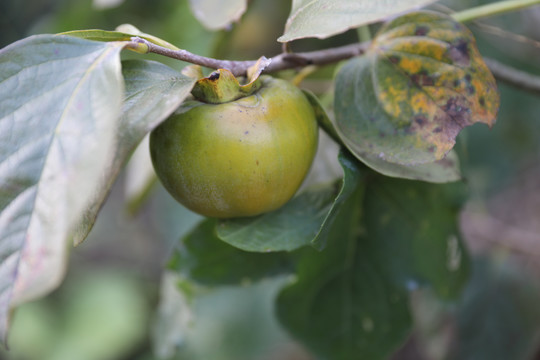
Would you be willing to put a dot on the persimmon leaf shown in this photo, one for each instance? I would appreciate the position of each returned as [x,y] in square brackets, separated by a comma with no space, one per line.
[61,101]
[69,118]
[440,171]
[152,92]
[342,304]
[413,229]
[421,82]
[206,260]
[324,18]
[123,32]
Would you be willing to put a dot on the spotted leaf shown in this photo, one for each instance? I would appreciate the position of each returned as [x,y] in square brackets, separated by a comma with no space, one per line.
[408,97]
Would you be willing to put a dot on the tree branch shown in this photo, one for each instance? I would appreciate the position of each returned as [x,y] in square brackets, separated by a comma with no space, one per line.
[280,62]
[320,57]
[512,76]
[283,61]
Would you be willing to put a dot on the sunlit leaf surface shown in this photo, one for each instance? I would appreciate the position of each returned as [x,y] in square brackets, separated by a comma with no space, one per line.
[123,32]
[409,96]
[57,128]
[62,143]
[324,18]
[152,92]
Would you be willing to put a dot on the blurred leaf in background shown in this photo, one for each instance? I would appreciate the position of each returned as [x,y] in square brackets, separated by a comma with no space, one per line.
[97,315]
[498,317]
[225,323]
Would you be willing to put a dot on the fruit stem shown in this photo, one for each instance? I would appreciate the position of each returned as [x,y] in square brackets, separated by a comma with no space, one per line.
[493,9]
[222,86]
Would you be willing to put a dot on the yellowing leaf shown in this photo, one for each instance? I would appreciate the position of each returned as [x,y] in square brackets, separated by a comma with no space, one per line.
[421,82]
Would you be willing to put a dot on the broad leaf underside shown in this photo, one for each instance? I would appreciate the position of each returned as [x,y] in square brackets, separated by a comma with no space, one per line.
[62,144]
[56,128]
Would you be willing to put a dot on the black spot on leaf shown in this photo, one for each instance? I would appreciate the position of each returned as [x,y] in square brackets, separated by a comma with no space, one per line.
[458,112]
[394,59]
[420,120]
[459,53]
[422,79]
[447,163]
[421,30]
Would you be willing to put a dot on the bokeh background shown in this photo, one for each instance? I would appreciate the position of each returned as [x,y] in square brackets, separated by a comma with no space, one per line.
[106,307]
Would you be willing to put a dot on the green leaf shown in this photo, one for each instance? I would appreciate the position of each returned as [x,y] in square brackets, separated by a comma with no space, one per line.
[61,101]
[342,305]
[351,179]
[218,14]
[409,96]
[322,117]
[202,257]
[390,236]
[290,227]
[302,221]
[153,92]
[62,142]
[123,32]
[413,230]
[324,18]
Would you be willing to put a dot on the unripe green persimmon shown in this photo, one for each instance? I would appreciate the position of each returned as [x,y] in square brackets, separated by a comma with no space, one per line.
[240,158]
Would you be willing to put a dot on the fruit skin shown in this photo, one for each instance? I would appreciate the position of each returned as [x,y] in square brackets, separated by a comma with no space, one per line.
[240,158]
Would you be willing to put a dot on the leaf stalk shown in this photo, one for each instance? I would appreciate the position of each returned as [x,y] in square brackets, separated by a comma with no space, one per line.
[493,9]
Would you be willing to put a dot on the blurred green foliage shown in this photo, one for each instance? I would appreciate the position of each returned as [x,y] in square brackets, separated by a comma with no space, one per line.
[98,314]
